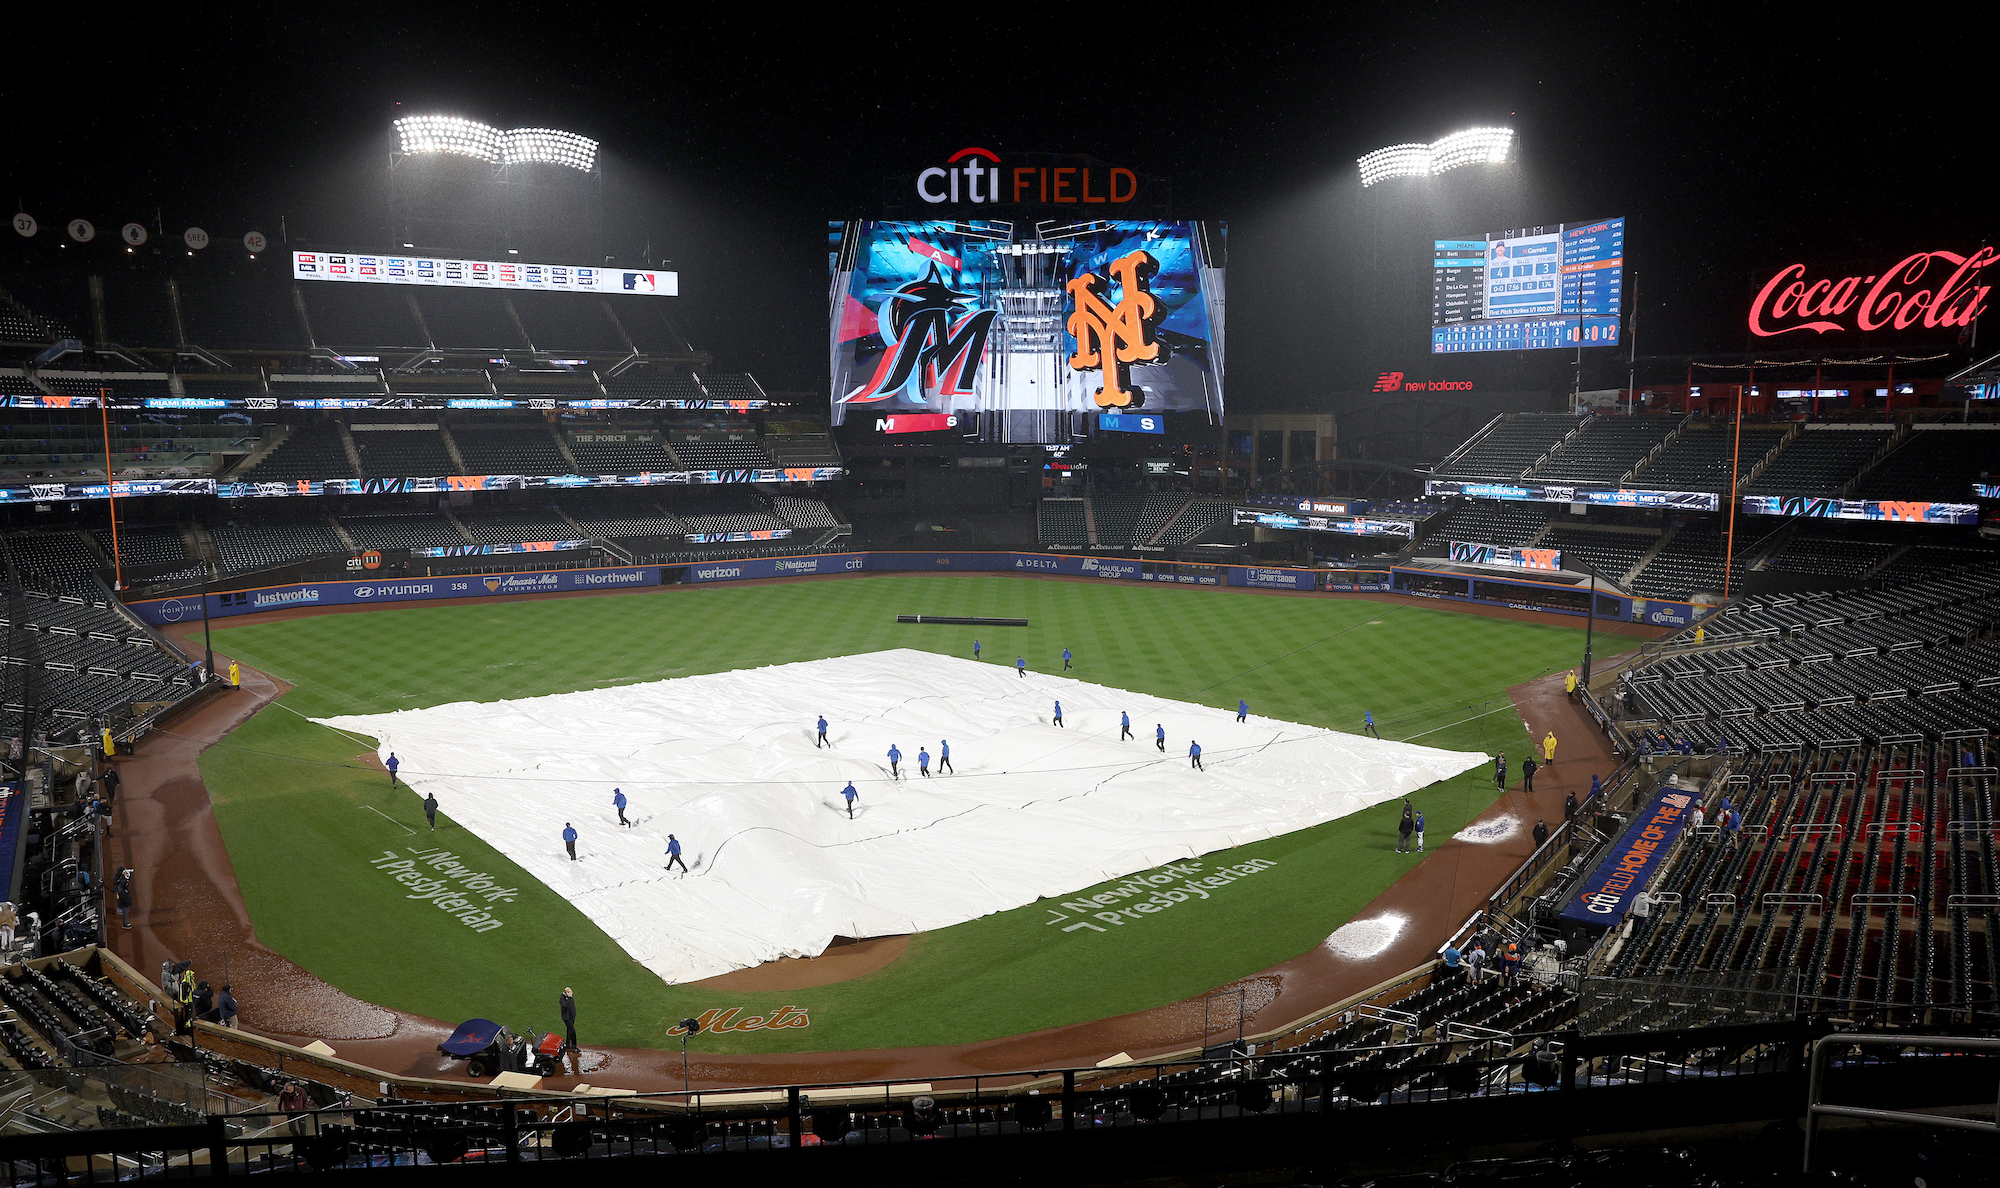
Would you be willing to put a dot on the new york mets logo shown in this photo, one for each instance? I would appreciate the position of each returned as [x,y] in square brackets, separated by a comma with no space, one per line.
[1110,338]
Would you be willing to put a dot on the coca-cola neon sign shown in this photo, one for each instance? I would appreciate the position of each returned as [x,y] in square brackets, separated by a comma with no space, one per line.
[1936,289]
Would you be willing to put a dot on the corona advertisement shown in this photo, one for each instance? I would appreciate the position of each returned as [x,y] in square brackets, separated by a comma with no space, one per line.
[1024,332]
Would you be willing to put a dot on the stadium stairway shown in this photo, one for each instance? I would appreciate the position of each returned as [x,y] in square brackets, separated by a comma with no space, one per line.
[1180,511]
[451,443]
[353,452]
[269,442]
[1090,519]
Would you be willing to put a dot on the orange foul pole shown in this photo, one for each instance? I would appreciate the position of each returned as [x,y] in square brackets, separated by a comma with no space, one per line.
[1735,472]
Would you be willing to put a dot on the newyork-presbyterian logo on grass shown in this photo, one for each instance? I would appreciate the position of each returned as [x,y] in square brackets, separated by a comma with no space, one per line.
[724,1019]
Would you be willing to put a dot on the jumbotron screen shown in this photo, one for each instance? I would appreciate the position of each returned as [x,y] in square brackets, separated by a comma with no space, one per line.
[1531,289]
[1025,332]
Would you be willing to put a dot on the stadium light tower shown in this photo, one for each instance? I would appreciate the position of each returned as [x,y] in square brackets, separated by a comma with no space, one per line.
[1474,146]
[461,186]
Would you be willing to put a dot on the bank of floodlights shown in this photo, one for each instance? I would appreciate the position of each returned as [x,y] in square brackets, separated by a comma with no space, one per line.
[470,138]
[1474,146]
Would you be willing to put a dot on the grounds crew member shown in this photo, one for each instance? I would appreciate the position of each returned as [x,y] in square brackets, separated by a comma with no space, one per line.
[852,796]
[975,649]
[923,763]
[1021,666]
[431,810]
[1368,722]
[1059,715]
[1124,726]
[1242,710]
[895,757]
[674,853]
[392,764]
[822,733]
[1160,737]
[235,675]
[1549,750]
[944,756]
[1065,659]
[568,1004]
[619,802]
[569,840]
[1569,682]
[1194,756]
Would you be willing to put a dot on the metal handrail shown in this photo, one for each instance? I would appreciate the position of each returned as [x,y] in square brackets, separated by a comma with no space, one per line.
[1822,1053]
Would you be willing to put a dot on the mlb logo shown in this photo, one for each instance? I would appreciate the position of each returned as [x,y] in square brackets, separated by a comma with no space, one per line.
[641,282]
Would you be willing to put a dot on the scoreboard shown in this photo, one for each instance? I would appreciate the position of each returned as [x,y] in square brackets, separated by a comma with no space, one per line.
[1535,288]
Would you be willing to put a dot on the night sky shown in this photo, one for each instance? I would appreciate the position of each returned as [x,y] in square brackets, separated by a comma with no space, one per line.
[1734,142]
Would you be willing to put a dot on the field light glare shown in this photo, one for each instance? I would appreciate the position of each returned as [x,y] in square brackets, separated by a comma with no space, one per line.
[470,138]
[1474,146]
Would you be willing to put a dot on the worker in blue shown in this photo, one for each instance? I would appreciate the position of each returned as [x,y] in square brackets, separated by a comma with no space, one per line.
[1242,710]
[1059,715]
[1596,786]
[895,757]
[822,734]
[618,802]
[1194,756]
[923,763]
[1368,722]
[852,796]
[1124,726]
[674,854]
[392,764]
[944,756]
[1065,659]
[975,649]
[1160,737]
[569,840]
[1021,666]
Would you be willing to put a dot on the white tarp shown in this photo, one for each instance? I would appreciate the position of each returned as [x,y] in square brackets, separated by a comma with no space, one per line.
[727,764]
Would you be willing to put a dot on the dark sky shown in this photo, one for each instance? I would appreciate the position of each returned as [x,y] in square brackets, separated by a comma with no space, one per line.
[1735,142]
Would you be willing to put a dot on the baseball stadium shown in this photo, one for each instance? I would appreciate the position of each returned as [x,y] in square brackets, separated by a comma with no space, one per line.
[458,717]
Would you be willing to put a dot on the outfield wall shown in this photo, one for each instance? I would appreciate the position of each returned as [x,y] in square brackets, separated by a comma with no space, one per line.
[1519,593]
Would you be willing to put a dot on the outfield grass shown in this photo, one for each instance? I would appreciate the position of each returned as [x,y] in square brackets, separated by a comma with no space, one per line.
[303,818]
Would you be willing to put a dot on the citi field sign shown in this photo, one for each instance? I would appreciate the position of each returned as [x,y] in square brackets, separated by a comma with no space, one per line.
[979,176]
[1937,290]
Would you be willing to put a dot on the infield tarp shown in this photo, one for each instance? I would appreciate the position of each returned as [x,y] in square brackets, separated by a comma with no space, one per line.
[726,762]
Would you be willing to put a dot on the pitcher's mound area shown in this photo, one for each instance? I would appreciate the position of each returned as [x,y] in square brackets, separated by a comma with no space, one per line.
[727,764]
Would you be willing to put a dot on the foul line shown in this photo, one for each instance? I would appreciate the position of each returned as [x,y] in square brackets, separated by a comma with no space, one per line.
[386,817]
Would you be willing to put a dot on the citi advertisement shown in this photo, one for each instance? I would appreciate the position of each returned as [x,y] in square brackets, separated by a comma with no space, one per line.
[162,611]
[1908,511]
[1024,329]
[1476,553]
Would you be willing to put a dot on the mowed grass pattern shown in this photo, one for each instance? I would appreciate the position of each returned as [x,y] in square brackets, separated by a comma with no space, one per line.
[304,819]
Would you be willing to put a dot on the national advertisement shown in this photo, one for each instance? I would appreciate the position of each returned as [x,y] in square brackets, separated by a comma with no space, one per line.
[1596,496]
[1270,579]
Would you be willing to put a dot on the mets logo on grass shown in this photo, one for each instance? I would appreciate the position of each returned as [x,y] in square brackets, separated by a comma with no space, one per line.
[724,1019]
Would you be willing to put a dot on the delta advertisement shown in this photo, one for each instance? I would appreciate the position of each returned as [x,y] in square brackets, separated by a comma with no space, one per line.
[1914,511]
[1596,496]
[1606,895]
[162,611]
[1026,321]
[1477,553]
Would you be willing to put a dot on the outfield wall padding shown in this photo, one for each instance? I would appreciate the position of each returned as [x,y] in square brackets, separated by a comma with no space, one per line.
[1521,593]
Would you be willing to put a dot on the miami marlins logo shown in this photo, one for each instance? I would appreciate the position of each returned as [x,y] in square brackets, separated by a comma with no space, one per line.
[931,353]
[1110,338]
